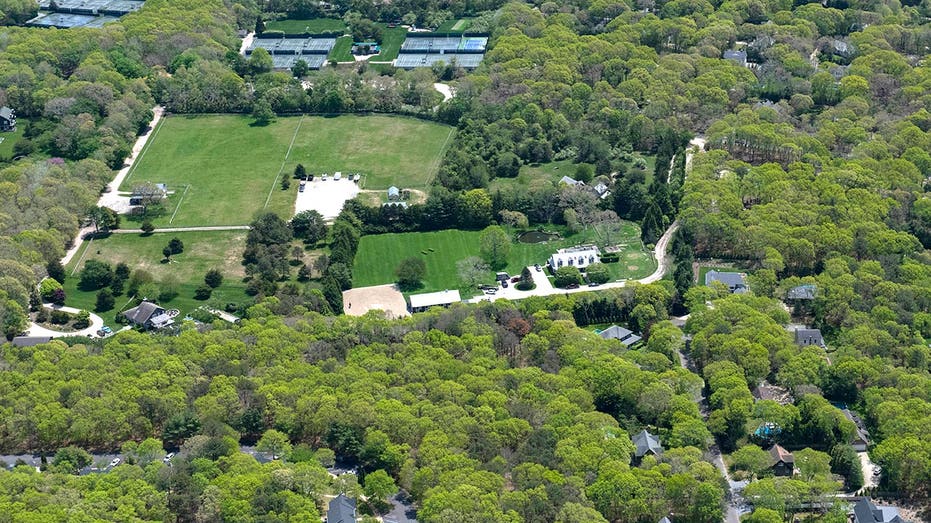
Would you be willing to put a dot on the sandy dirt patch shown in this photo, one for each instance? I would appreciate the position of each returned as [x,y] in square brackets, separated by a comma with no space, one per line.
[388,298]
[326,197]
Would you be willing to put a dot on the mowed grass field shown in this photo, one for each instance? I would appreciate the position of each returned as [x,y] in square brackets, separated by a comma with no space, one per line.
[202,251]
[223,170]
[313,25]
[379,256]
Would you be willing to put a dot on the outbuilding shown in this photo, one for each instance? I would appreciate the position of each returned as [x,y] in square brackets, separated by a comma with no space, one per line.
[422,302]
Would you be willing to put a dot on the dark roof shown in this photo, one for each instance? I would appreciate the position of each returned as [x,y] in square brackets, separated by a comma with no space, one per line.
[864,511]
[142,312]
[768,391]
[778,454]
[615,332]
[341,510]
[802,292]
[805,337]
[29,341]
[860,435]
[646,442]
[733,280]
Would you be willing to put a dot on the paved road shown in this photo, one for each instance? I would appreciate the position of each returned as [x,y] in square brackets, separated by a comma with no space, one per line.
[38,330]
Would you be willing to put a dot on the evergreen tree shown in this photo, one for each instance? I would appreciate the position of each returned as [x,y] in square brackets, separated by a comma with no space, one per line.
[652,227]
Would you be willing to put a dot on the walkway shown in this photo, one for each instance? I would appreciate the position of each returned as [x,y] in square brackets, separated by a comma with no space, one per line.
[91,331]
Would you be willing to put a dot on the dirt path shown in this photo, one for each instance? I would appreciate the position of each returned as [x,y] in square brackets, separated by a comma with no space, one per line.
[445,90]
[111,198]
[697,142]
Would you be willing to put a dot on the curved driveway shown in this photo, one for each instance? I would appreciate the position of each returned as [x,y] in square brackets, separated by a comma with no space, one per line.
[91,331]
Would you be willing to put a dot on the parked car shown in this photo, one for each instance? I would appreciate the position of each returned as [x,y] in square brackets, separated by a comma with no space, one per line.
[594,284]
[515,279]
[504,284]
[167,458]
[115,462]
[572,286]
[538,268]
[489,291]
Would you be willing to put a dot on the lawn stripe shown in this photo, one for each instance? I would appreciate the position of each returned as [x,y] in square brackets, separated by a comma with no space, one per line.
[435,166]
[186,187]
[145,149]
[87,246]
[283,162]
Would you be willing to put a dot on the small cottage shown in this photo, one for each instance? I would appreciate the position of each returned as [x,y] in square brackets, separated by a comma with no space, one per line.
[7,119]
[781,461]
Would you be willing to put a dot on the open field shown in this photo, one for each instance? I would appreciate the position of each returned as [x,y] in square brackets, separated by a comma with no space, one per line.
[223,170]
[391,41]
[379,255]
[313,26]
[202,251]
[455,25]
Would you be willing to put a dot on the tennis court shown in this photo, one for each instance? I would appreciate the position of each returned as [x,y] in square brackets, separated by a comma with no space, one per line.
[415,60]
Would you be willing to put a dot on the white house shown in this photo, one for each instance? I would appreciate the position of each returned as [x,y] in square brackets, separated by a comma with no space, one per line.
[580,256]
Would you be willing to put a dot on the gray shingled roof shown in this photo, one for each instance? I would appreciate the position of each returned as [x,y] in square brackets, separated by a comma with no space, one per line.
[615,332]
[806,337]
[802,292]
[733,280]
[6,112]
[141,313]
[341,510]
[864,511]
[646,442]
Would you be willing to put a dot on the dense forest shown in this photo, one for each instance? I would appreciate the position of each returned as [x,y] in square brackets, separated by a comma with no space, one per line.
[814,171]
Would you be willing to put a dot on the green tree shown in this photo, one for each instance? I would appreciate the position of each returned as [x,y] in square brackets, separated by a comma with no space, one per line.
[213,278]
[300,172]
[309,225]
[71,459]
[584,172]
[203,292]
[300,68]
[597,273]
[752,459]
[275,443]
[176,246]
[167,252]
[652,227]
[495,246]
[263,112]
[47,288]
[95,275]
[411,272]
[105,300]
[379,485]
[567,275]
[147,227]
[55,270]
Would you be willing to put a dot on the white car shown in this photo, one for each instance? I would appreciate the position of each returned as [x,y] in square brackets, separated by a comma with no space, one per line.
[115,462]
[167,458]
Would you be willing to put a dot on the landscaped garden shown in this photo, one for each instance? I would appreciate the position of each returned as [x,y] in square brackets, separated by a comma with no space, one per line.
[378,256]
[223,169]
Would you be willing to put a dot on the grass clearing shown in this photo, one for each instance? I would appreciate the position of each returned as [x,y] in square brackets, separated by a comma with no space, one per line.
[391,40]
[455,25]
[9,139]
[342,50]
[312,26]
[202,251]
[230,166]
[379,255]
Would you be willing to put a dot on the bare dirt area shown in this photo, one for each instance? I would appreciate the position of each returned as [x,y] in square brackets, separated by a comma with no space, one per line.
[356,302]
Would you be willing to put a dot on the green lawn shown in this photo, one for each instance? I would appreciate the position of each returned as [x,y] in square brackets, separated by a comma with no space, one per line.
[342,50]
[9,139]
[379,255]
[202,251]
[455,25]
[223,169]
[391,41]
[534,176]
[313,26]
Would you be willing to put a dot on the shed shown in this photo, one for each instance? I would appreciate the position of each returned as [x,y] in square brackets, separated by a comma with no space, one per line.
[394,193]
[565,180]
[802,292]
[781,461]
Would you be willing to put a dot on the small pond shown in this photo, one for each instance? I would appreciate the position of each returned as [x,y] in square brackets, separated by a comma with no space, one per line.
[537,237]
